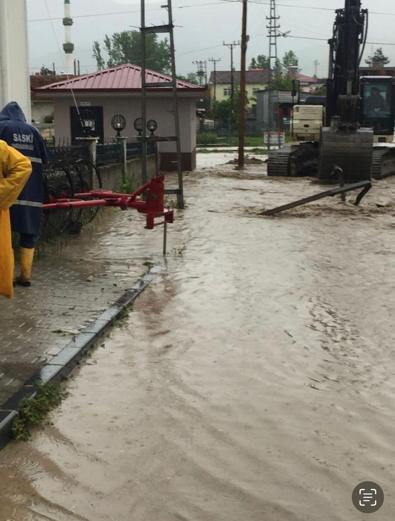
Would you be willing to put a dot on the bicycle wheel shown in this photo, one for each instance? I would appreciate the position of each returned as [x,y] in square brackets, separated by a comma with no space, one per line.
[58,184]
[87,178]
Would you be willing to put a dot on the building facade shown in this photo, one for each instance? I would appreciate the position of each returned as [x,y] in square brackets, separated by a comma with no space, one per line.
[91,101]
[220,84]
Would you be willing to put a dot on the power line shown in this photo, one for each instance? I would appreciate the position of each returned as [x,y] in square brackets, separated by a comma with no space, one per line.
[207,4]
[130,11]
[313,7]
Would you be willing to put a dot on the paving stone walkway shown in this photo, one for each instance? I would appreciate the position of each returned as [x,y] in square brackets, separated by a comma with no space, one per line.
[75,279]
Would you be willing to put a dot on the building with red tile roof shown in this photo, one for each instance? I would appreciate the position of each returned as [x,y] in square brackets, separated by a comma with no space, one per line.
[101,95]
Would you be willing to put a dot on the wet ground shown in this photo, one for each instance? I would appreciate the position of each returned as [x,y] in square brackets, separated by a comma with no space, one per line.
[253,381]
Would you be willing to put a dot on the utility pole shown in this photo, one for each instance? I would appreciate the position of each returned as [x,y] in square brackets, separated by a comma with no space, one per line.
[273,34]
[244,40]
[232,79]
[201,71]
[214,62]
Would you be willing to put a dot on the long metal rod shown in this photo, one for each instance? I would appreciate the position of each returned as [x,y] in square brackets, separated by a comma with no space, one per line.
[164,238]
[243,46]
[144,143]
[365,185]
[180,194]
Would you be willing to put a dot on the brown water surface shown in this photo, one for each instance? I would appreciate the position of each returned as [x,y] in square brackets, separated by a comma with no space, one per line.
[253,381]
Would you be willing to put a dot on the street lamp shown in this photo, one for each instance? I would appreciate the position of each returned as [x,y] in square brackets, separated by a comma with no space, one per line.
[138,125]
[152,125]
[118,123]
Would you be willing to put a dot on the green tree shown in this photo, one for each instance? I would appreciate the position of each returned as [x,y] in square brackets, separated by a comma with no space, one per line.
[125,47]
[290,60]
[378,60]
[280,79]
[97,54]
[260,62]
[224,112]
[191,77]
[44,71]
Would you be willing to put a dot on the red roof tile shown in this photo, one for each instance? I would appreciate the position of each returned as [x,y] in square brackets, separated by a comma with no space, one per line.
[123,77]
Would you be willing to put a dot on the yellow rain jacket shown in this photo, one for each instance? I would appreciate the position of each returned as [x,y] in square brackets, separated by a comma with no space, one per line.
[15,170]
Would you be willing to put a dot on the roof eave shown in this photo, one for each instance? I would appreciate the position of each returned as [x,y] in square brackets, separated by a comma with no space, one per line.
[47,92]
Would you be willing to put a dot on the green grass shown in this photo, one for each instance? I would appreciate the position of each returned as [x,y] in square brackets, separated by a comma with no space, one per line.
[33,411]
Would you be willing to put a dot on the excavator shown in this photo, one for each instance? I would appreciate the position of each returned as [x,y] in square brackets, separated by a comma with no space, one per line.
[358,129]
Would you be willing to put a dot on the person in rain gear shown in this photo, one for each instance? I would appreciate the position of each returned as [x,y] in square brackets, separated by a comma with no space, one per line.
[26,213]
[15,170]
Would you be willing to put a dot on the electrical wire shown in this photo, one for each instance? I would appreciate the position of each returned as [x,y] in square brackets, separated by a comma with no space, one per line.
[116,13]
[207,4]
[313,7]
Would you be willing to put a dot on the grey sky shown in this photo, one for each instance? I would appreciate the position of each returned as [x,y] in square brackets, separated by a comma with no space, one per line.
[203,26]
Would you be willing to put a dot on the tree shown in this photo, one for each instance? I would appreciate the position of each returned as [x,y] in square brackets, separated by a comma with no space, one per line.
[378,60]
[260,62]
[44,71]
[290,60]
[281,79]
[224,113]
[191,77]
[125,47]
[97,54]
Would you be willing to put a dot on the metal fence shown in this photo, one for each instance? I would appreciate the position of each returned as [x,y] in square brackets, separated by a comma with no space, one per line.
[60,153]
[113,152]
[105,153]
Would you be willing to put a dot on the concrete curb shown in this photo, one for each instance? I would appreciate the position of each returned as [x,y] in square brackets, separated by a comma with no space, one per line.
[64,362]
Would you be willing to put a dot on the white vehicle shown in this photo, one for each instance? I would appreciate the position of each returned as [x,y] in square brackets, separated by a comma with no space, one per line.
[307,122]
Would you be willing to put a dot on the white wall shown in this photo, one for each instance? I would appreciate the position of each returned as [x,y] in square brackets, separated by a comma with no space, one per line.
[14,59]
[158,108]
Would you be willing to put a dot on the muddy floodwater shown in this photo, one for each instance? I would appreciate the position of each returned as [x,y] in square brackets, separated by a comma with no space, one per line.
[252,381]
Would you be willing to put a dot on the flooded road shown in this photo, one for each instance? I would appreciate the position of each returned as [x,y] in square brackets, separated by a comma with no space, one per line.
[253,380]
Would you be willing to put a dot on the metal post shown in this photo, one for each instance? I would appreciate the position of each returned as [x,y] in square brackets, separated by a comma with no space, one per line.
[167,28]
[273,56]
[214,62]
[164,237]
[242,85]
[122,140]
[232,81]
[180,193]
[144,143]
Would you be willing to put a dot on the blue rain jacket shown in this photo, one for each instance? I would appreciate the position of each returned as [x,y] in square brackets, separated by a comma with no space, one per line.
[26,213]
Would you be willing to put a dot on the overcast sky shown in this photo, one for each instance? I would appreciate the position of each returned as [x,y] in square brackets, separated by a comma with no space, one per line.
[202,26]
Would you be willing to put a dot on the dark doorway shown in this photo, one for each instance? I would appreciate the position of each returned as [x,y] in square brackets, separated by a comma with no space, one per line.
[88,124]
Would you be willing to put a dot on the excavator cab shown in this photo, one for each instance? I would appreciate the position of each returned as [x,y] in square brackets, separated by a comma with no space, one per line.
[378,106]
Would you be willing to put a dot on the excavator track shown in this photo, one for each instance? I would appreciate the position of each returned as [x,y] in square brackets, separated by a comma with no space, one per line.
[278,162]
[294,160]
[383,163]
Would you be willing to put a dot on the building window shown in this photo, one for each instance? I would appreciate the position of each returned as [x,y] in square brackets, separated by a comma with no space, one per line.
[227,91]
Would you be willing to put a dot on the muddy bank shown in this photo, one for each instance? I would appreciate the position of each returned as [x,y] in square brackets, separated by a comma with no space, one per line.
[254,380]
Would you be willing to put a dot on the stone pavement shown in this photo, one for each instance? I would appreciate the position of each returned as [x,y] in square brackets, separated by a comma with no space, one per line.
[75,279]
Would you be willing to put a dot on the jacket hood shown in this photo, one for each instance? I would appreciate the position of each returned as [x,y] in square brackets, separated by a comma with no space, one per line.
[12,111]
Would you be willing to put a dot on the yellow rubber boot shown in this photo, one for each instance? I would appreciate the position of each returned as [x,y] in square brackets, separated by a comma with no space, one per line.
[26,259]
